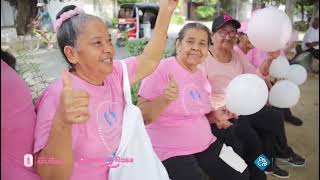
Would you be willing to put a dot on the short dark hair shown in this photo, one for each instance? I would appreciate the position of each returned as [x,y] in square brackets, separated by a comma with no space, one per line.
[9,59]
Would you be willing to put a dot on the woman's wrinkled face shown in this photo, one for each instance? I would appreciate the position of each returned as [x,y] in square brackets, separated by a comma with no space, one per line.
[94,50]
[225,37]
[193,48]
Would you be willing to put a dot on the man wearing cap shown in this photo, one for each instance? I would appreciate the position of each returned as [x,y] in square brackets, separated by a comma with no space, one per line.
[256,133]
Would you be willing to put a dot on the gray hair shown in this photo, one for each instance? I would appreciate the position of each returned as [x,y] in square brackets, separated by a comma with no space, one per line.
[189,26]
[70,29]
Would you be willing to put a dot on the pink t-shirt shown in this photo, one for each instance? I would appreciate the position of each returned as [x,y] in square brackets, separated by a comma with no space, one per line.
[256,56]
[182,128]
[91,149]
[220,74]
[18,120]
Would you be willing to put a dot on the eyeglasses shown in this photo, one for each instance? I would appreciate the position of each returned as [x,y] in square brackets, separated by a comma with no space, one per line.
[224,33]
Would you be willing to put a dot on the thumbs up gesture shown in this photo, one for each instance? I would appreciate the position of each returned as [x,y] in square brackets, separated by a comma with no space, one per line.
[73,103]
[171,92]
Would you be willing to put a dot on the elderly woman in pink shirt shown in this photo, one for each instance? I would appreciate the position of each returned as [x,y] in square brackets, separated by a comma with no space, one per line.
[79,117]
[254,132]
[175,102]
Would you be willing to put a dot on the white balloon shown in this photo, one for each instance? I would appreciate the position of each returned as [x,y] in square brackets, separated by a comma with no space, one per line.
[246,94]
[297,74]
[284,94]
[269,29]
[279,67]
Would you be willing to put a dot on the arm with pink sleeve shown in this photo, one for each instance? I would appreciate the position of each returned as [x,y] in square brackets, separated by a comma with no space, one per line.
[249,68]
[52,137]
[151,100]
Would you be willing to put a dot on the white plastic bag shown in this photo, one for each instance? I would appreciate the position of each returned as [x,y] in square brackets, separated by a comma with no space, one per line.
[135,144]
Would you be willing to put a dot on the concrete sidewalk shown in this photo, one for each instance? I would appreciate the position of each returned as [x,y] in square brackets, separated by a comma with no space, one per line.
[305,139]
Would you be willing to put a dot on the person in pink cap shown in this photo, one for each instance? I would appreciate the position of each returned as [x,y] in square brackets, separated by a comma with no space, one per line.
[256,57]
[255,133]
[79,117]
[282,150]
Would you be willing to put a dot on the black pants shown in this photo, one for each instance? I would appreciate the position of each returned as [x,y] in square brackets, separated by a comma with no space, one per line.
[201,165]
[314,52]
[253,135]
[281,147]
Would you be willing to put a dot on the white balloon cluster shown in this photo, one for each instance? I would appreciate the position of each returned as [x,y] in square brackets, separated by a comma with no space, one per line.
[248,93]
[269,29]
[286,93]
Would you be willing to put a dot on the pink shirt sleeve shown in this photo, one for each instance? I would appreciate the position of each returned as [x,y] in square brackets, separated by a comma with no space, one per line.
[249,68]
[131,63]
[153,85]
[46,107]
[203,67]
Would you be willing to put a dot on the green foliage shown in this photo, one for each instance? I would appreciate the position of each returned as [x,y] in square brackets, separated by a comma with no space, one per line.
[30,72]
[114,22]
[305,2]
[205,12]
[204,1]
[135,47]
[128,1]
[301,26]
[134,93]
[177,19]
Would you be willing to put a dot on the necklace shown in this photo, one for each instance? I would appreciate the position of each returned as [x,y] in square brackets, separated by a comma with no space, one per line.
[102,122]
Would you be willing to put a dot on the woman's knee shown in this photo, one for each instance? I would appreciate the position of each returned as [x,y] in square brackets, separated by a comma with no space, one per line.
[276,121]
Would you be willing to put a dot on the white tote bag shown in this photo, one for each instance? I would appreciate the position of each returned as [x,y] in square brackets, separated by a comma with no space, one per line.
[135,144]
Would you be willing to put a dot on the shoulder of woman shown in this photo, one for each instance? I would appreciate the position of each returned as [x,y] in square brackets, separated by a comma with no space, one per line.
[52,91]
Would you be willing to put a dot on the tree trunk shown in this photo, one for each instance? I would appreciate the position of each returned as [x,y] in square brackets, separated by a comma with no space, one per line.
[315,12]
[255,4]
[114,5]
[290,4]
[26,11]
[302,12]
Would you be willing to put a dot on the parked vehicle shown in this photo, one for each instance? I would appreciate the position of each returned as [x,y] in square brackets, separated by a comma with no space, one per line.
[135,20]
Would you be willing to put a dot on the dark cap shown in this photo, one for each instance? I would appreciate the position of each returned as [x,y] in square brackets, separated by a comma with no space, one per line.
[221,20]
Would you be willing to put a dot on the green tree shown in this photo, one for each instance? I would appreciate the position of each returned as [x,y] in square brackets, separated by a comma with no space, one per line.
[27,9]
[290,5]
[128,1]
[206,2]
[205,12]
[302,5]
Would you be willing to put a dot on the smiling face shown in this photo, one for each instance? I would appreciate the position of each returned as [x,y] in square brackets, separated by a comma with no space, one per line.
[93,53]
[192,49]
[225,37]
